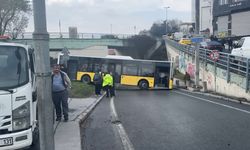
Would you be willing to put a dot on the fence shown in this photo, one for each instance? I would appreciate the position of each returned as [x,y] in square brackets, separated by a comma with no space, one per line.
[232,64]
[28,35]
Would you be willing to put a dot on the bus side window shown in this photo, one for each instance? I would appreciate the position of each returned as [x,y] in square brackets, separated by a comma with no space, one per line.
[84,67]
[147,70]
[130,69]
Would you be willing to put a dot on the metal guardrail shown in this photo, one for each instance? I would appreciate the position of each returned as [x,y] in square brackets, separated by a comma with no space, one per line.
[54,35]
[228,62]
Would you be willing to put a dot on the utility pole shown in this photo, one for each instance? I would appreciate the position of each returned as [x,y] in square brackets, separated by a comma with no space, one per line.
[197,16]
[43,76]
[135,29]
[167,19]
[60,30]
[111,28]
[197,65]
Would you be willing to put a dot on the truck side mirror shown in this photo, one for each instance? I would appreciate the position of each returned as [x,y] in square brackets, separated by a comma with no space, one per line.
[34,96]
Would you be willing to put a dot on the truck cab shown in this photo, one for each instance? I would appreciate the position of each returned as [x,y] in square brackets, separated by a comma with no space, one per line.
[18,104]
[242,48]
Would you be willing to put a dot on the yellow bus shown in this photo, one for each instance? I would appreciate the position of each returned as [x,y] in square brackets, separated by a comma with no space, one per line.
[126,71]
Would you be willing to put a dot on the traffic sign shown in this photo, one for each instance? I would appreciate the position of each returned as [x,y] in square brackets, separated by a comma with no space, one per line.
[214,55]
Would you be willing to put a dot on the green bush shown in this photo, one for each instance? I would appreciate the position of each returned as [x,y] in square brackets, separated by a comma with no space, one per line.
[178,75]
[81,90]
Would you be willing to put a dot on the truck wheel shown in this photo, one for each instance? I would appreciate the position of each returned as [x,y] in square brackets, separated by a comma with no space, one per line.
[86,79]
[143,84]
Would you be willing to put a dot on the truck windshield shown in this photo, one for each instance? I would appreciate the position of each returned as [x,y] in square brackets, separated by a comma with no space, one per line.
[241,42]
[13,67]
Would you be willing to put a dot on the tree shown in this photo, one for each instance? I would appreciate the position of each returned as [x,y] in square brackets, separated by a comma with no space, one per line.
[14,16]
[140,44]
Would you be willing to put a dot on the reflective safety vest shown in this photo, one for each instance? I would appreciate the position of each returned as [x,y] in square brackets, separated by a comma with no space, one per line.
[107,80]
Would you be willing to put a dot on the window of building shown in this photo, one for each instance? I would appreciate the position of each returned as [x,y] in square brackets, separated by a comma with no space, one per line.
[223,2]
[235,1]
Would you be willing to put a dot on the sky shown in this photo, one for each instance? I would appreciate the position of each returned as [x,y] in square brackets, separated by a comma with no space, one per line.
[116,16]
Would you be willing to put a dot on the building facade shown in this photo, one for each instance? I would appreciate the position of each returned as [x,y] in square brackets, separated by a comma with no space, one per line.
[202,15]
[231,18]
[206,15]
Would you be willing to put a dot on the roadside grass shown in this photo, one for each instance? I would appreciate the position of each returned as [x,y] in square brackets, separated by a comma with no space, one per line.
[81,90]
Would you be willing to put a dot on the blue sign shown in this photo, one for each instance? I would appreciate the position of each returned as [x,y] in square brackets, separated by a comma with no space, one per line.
[197,39]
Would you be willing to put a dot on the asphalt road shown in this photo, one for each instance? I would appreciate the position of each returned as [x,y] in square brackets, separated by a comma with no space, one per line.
[170,120]
[98,132]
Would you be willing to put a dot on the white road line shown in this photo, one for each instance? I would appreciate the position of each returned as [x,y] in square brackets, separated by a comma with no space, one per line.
[127,145]
[209,101]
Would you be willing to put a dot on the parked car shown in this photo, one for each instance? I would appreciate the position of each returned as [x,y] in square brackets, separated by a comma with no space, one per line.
[242,48]
[185,41]
[212,45]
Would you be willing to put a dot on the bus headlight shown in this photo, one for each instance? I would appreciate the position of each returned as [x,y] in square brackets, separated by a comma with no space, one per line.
[21,117]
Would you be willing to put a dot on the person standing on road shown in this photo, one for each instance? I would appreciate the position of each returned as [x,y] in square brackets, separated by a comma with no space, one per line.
[98,83]
[187,79]
[60,83]
[107,83]
[112,87]
[230,45]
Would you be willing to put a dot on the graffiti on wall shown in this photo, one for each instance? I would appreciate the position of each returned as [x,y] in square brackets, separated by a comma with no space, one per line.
[182,63]
[210,80]
[191,70]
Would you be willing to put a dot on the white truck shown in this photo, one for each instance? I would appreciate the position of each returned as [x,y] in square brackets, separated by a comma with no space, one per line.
[242,48]
[18,102]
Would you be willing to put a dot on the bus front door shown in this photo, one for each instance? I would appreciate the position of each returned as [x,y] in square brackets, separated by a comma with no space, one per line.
[116,71]
[72,69]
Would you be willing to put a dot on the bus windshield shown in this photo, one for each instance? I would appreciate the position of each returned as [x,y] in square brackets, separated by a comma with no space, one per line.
[13,66]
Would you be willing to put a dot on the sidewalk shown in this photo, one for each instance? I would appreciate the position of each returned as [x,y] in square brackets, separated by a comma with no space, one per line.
[67,134]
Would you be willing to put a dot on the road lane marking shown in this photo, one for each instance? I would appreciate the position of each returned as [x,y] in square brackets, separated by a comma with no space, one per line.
[127,145]
[209,101]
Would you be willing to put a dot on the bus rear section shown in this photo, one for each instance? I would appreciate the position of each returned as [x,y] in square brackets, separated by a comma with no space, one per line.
[17,101]
[147,74]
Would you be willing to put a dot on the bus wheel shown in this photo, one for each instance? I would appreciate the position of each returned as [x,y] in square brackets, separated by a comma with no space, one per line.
[86,79]
[143,84]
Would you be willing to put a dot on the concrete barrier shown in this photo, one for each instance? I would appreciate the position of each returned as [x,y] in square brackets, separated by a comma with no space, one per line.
[212,78]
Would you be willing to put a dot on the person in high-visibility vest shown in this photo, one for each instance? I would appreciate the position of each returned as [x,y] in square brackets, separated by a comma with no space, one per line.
[107,84]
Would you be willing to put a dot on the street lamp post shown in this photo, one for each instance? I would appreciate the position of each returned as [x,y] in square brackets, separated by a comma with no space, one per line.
[167,19]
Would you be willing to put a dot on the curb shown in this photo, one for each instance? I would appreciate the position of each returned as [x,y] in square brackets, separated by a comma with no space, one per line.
[84,115]
[217,96]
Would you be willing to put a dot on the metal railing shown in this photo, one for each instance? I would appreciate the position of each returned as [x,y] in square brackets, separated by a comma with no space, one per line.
[230,63]
[54,35]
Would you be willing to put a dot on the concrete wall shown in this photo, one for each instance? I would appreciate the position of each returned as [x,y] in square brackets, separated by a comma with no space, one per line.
[97,51]
[76,44]
[215,77]
[90,51]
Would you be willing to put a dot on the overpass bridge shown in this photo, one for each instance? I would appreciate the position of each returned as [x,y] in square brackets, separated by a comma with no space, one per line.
[93,43]
[57,44]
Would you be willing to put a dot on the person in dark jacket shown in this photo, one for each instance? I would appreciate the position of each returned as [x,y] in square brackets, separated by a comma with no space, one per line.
[112,88]
[60,83]
[98,83]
